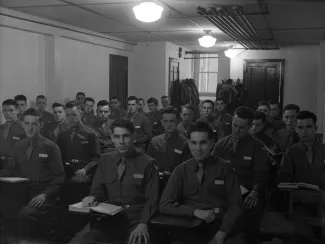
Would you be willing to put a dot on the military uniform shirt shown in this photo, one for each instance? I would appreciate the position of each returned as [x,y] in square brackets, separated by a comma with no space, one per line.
[51,130]
[142,127]
[118,113]
[155,119]
[46,117]
[16,134]
[103,131]
[222,125]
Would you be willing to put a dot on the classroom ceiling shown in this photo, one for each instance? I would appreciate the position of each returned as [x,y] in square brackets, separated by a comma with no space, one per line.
[289,22]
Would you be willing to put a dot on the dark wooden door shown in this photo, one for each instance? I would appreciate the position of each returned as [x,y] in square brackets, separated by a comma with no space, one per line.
[118,78]
[263,81]
[173,73]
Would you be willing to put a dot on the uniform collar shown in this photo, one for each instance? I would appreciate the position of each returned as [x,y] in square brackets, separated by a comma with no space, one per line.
[194,166]
[35,141]
[173,135]
[131,154]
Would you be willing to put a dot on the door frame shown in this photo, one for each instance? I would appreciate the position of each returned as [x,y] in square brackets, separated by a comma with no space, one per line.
[281,81]
[169,88]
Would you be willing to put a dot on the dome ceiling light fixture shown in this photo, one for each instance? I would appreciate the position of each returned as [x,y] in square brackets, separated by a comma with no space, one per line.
[148,12]
[231,52]
[207,40]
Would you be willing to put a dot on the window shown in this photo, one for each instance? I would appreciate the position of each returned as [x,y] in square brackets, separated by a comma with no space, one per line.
[207,73]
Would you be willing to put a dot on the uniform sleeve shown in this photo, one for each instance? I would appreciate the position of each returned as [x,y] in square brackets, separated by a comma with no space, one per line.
[261,170]
[94,151]
[9,170]
[151,194]
[286,169]
[57,171]
[98,189]
[235,206]
[147,131]
[169,203]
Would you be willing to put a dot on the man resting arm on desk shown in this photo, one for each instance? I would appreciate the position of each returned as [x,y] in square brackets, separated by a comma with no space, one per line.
[127,178]
[204,187]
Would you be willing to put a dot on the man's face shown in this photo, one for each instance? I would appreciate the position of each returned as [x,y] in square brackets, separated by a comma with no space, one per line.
[240,127]
[220,106]
[115,104]
[165,102]
[187,116]
[152,107]
[10,113]
[22,106]
[200,145]
[88,107]
[290,119]
[80,98]
[265,110]
[207,109]
[169,122]
[140,105]
[306,130]
[132,106]
[59,114]
[31,125]
[41,104]
[103,112]
[274,111]
[257,126]
[123,140]
[73,116]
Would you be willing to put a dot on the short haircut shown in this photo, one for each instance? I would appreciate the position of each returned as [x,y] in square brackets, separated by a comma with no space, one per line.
[273,102]
[152,100]
[72,104]
[10,102]
[170,110]
[115,97]
[307,115]
[123,123]
[260,115]
[21,98]
[102,103]
[292,107]
[220,99]
[188,106]
[41,97]
[165,96]
[200,127]
[208,101]
[31,112]
[133,98]
[245,113]
[263,103]
[81,93]
[89,99]
[57,105]
[141,99]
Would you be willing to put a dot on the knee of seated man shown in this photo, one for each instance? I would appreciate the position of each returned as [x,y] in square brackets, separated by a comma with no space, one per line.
[26,212]
[80,179]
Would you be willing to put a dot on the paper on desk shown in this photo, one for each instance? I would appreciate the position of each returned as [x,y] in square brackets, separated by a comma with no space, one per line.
[13,179]
[103,208]
[243,190]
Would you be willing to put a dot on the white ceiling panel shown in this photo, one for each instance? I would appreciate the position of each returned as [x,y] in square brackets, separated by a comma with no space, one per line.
[28,3]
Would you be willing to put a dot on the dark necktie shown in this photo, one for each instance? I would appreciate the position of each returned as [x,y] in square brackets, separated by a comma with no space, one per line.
[309,154]
[6,131]
[121,168]
[235,146]
[73,133]
[29,151]
[200,173]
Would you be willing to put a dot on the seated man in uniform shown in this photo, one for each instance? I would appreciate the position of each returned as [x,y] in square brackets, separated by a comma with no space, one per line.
[222,120]
[251,166]
[165,101]
[167,148]
[39,160]
[270,126]
[127,178]
[207,112]
[141,106]
[11,132]
[101,125]
[46,117]
[258,127]
[88,112]
[204,187]
[188,118]
[80,151]
[116,111]
[155,117]
[52,129]
[304,161]
[142,125]
[80,98]
[22,104]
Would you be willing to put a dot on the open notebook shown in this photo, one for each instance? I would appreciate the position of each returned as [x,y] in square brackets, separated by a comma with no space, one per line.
[13,179]
[103,208]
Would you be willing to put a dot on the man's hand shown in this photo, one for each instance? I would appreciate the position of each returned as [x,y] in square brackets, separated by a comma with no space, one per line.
[81,172]
[138,234]
[219,238]
[89,201]
[37,201]
[206,215]
[251,200]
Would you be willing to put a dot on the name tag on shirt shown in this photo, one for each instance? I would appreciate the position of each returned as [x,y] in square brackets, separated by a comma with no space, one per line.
[81,137]
[84,142]
[137,176]
[155,123]
[178,151]
[219,182]
[227,123]
[214,130]
[247,158]
[137,126]
[42,155]
[16,138]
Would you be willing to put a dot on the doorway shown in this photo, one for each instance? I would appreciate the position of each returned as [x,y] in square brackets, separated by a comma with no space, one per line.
[173,74]
[263,81]
[118,78]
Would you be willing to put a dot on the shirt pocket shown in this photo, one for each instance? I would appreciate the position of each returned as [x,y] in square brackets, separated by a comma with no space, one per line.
[216,187]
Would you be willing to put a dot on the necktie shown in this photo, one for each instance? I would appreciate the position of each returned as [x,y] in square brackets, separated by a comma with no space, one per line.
[56,131]
[121,168]
[6,131]
[309,154]
[235,146]
[73,133]
[200,173]
[29,151]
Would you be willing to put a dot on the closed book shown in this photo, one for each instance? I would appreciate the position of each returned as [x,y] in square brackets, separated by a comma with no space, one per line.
[104,208]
